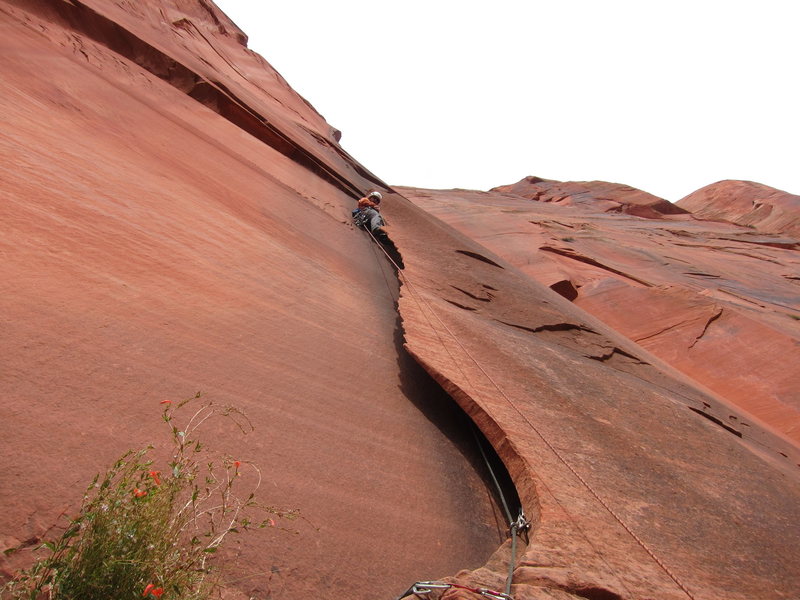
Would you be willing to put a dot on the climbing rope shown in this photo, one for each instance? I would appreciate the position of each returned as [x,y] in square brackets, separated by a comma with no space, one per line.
[516,526]
[491,472]
[419,300]
[383,269]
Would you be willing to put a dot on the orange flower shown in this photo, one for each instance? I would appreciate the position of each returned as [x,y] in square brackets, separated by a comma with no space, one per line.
[139,493]
[153,590]
[237,464]
[166,402]
[155,476]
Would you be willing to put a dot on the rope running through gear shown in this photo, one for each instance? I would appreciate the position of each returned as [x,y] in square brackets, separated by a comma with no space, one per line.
[516,526]
[552,448]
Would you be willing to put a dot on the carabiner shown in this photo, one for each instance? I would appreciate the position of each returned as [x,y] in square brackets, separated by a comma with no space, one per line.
[426,587]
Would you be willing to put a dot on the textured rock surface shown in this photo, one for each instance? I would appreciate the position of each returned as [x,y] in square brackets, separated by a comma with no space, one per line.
[151,248]
[633,491]
[747,203]
[600,195]
[175,218]
[717,301]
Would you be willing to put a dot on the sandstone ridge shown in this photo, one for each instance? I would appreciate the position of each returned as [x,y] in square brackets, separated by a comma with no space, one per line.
[601,195]
[749,204]
[154,246]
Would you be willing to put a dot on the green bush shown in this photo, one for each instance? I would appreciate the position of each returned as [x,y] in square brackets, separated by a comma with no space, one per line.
[146,533]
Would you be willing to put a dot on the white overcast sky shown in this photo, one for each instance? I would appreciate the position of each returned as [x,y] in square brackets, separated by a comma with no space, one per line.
[667,96]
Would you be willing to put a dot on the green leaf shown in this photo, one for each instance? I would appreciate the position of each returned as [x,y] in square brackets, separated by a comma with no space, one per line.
[71,532]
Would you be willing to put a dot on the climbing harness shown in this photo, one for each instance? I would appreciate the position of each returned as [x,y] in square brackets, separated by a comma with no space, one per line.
[359,219]
[547,443]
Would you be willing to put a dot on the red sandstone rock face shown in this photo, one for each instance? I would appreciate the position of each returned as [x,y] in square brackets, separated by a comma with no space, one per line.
[634,478]
[175,218]
[599,195]
[717,301]
[747,203]
[152,247]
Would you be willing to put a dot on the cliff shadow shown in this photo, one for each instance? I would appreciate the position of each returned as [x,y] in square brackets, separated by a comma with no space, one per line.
[442,411]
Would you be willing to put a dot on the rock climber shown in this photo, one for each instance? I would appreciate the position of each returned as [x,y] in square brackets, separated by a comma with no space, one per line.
[368,215]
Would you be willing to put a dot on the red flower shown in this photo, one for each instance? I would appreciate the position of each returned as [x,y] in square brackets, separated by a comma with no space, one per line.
[166,402]
[155,476]
[237,464]
[139,493]
[271,522]
[153,590]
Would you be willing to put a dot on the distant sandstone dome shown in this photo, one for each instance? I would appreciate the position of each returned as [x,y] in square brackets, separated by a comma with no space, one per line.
[602,195]
[712,298]
[747,203]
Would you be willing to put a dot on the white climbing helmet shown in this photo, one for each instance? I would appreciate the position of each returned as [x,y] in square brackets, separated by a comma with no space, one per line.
[376,196]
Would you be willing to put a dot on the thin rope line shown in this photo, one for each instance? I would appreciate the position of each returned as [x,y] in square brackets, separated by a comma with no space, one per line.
[419,300]
[383,272]
[511,563]
[571,469]
[403,277]
[417,297]
[543,438]
[494,477]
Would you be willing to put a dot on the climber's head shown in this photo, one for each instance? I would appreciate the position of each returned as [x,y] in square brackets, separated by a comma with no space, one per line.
[375,197]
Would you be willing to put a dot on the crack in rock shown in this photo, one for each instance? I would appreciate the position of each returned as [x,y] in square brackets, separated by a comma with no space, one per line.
[616,351]
[480,257]
[488,297]
[550,327]
[569,253]
[710,320]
